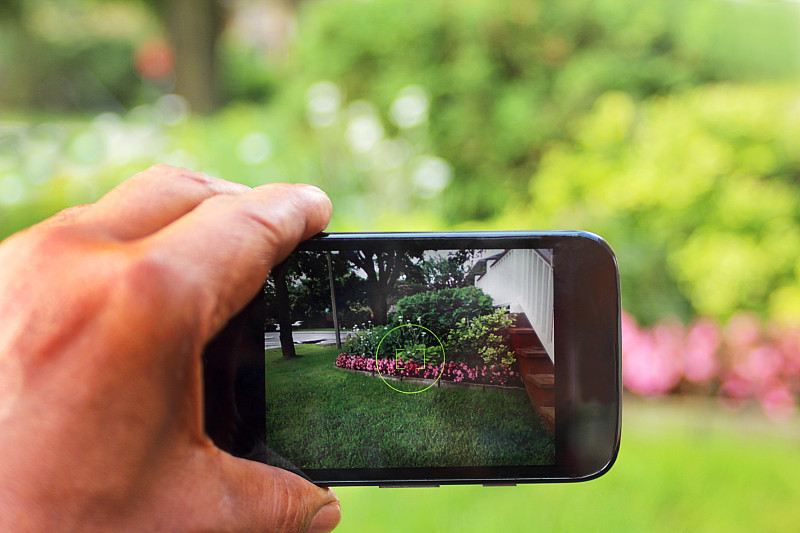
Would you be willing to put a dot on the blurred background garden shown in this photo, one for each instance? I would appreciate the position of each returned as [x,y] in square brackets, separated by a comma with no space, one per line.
[669,127]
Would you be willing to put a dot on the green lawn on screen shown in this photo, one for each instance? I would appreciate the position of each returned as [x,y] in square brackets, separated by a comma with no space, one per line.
[320,416]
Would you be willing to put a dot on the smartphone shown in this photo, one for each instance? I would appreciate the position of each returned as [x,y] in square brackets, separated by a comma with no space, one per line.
[424,359]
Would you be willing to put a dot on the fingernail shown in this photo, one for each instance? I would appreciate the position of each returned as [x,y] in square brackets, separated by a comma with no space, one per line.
[326,518]
[312,188]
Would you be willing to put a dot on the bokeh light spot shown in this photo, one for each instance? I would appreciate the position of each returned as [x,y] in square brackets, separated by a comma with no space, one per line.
[173,109]
[364,130]
[410,108]
[430,176]
[323,101]
[12,190]
[254,148]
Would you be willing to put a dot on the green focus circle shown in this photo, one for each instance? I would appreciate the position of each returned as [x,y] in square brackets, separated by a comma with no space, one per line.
[378,349]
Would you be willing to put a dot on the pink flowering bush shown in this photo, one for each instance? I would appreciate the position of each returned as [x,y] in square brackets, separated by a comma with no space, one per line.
[504,375]
[740,362]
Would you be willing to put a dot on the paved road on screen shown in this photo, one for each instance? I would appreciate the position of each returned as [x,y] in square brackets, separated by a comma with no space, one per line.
[305,336]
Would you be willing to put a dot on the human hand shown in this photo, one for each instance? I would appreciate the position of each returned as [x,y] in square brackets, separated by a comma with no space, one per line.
[104,312]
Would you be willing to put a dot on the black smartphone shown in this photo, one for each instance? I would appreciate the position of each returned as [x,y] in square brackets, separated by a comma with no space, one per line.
[426,359]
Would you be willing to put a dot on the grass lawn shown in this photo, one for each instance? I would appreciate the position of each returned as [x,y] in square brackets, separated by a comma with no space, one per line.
[319,416]
[682,467]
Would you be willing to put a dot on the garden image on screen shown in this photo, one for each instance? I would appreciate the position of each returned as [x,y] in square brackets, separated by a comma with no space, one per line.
[411,358]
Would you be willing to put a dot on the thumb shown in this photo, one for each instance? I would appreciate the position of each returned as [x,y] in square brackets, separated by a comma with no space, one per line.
[270,499]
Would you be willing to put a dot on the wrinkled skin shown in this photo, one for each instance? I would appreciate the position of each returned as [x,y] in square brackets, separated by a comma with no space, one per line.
[104,312]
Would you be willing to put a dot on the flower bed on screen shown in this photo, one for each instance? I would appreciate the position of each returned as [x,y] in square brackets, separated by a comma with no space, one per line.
[502,375]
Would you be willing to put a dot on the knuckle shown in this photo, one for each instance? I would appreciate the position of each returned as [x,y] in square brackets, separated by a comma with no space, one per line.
[148,274]
[144,286]
[271,500]
[67,215]
[192,180]
[161,171]
[35,268]
[151,282]
[44,242]
[269,225]
[290,510]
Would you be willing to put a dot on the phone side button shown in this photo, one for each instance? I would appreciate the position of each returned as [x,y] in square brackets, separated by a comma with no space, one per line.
[407,486]
[499,484]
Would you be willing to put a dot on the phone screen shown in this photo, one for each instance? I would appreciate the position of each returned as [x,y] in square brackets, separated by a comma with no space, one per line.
[426,358]
[411,358]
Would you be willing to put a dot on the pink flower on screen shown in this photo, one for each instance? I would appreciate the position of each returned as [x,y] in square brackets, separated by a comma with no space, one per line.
[452,371]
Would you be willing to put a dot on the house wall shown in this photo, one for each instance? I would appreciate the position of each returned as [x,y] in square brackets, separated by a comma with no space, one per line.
[522,280]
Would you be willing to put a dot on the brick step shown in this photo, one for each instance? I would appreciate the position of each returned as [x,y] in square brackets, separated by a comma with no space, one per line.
[525,342]
[535,365]
[536,369]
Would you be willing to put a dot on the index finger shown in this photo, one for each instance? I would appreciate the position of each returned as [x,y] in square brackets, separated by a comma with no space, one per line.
[226,246]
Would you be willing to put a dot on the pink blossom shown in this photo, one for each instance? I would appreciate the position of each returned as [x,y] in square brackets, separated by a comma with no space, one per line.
[736,388]
[451,371]
[777,400]
[751,361]
[651,362]
[743,330]
[759,363]
[787,341]
[702,344]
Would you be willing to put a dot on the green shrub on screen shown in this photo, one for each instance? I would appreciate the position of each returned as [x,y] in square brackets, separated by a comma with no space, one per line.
[441,310]
[483,339]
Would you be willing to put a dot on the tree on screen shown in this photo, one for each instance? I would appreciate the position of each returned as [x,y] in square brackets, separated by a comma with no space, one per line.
[298,290]
[383,271]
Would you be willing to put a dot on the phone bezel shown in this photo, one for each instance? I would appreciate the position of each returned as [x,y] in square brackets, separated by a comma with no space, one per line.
[588,353]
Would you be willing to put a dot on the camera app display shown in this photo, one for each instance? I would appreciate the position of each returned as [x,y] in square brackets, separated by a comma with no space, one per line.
[409,358]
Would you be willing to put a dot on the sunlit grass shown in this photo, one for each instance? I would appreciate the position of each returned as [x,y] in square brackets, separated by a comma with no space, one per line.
[679,469]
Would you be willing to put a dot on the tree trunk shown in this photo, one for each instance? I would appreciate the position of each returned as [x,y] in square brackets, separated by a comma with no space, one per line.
[283,312]
[193,27]
[376,297]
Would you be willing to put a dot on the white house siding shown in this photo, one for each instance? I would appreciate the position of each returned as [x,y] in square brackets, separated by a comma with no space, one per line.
[522,280]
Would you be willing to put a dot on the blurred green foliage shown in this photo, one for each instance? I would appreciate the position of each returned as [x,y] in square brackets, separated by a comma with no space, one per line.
[70,55]
[507,77]
[668,127]
[697,192]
